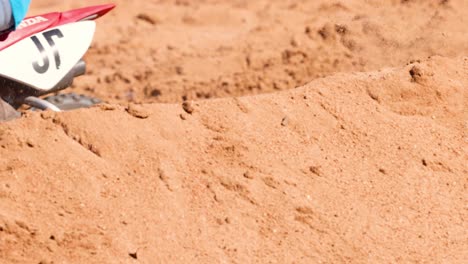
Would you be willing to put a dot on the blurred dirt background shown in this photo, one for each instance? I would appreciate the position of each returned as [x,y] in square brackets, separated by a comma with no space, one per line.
[167,51]
[353,149]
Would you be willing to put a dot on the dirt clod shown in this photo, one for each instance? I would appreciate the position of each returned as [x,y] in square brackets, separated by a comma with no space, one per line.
[248,175]
[107,107]
[416,73]
[188,107]
[137,111]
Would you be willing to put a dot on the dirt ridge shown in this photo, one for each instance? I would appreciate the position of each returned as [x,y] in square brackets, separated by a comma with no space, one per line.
[369,167]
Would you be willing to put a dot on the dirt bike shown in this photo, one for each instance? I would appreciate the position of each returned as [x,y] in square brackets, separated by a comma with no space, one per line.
[43,56]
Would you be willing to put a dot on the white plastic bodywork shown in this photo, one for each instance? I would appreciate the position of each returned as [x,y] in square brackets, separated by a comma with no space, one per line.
[17,61]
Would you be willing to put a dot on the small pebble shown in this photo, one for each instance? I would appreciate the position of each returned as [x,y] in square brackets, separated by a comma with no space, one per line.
[133,255]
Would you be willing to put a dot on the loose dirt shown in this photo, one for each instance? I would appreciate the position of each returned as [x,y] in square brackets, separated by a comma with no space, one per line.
[250,132]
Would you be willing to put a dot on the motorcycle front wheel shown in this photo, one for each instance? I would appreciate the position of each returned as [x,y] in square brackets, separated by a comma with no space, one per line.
[70,101]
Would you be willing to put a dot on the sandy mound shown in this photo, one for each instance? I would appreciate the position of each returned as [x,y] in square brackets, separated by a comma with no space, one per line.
[353,167]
